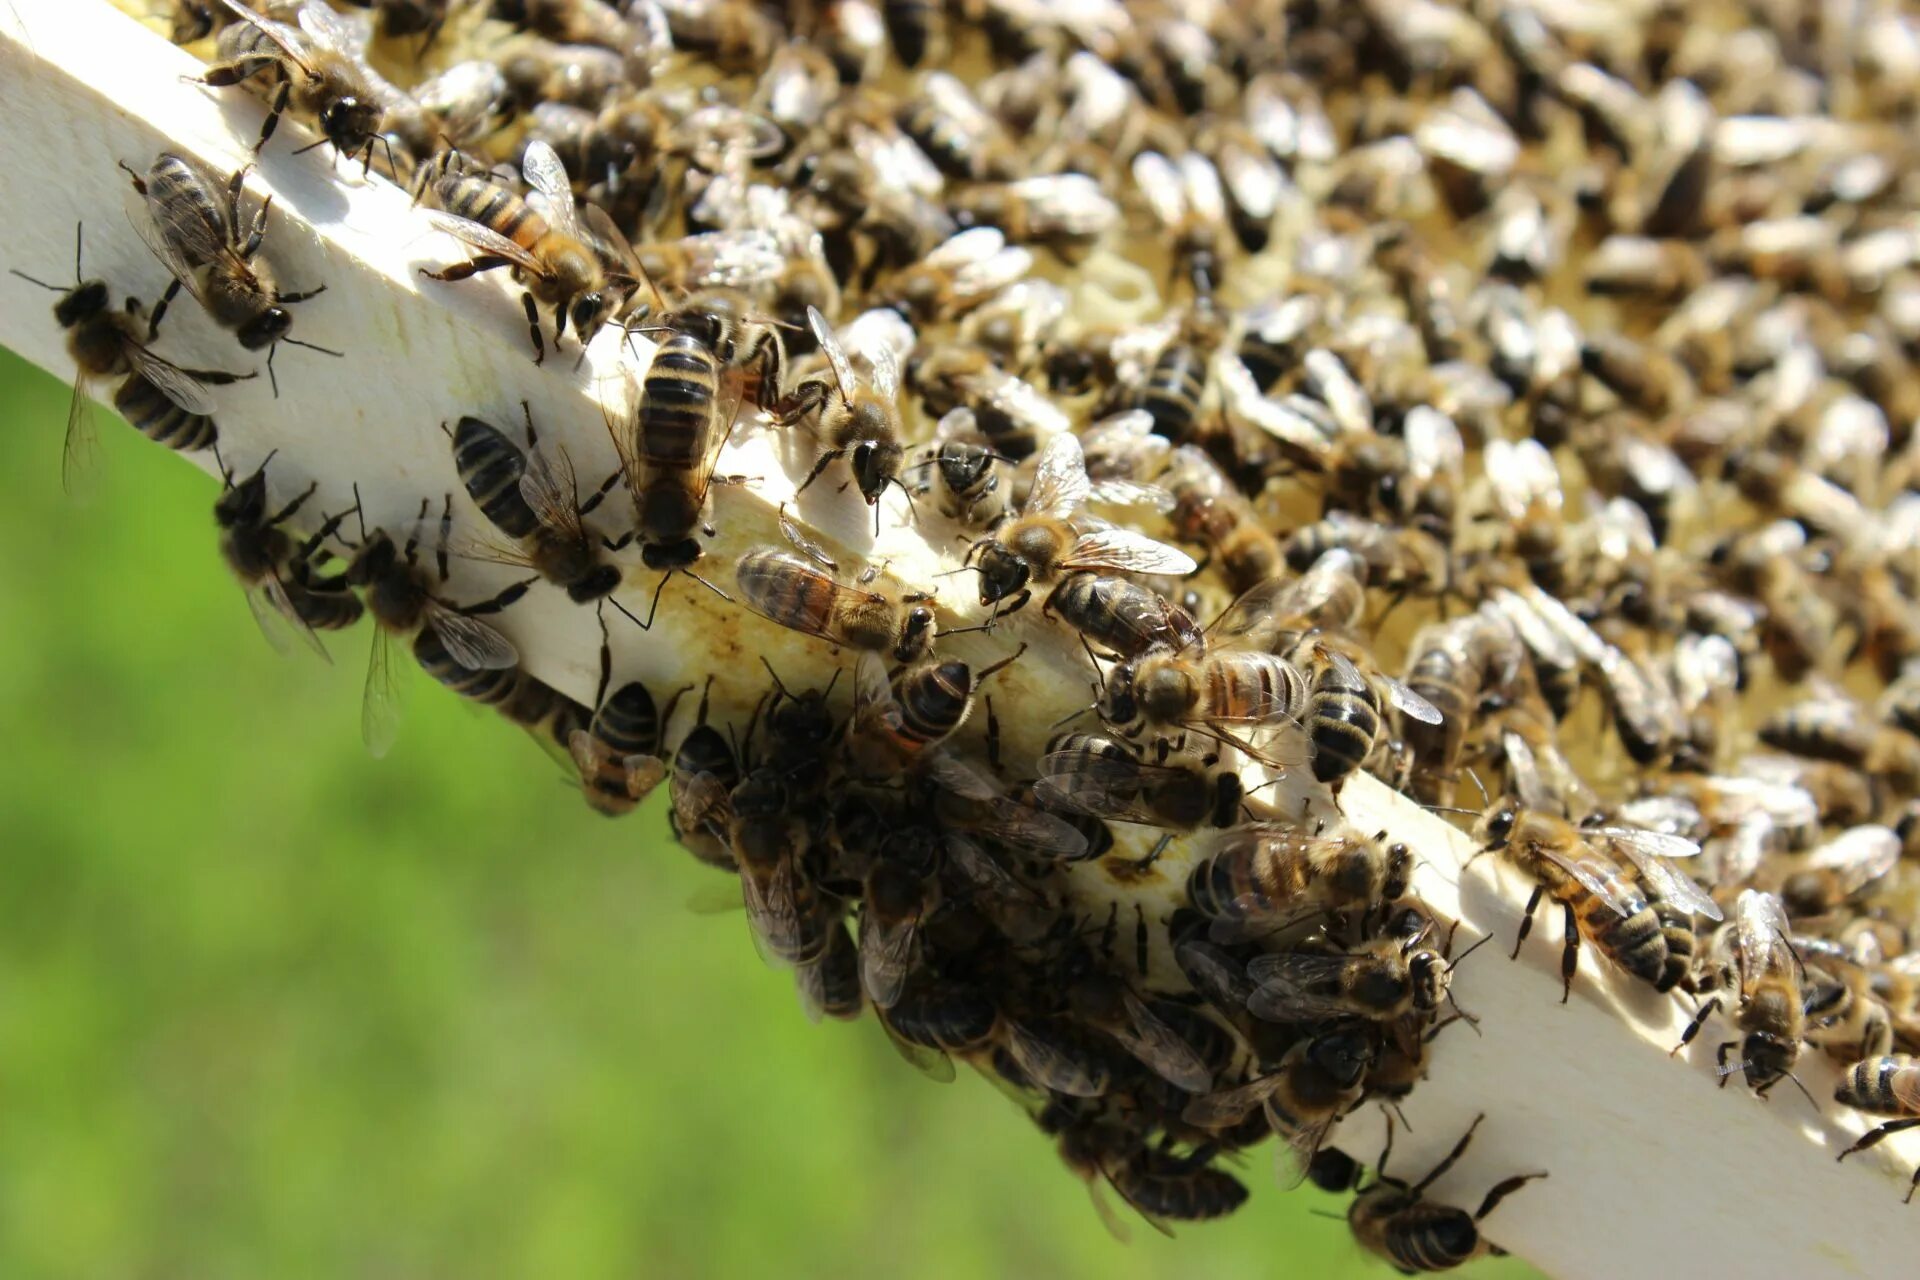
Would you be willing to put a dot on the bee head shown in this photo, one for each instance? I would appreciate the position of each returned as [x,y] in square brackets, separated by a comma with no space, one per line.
[1767,1057]
[916,634]
[1117,705]
[265,329]
[1497,826]
[1428,974]
[876,464]
[595,585]
[87,300]
[588,312]
[1002,573]
[1399,872]
[348,122]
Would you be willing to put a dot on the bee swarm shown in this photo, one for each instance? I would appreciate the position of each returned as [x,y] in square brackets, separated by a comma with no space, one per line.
[1342,400]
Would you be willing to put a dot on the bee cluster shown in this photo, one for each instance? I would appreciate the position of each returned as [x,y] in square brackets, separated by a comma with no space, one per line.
[1507,394]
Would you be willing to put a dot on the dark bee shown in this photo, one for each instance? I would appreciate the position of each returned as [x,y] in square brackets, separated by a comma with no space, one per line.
[1756,948]
[917,29]
[397,594]
[1177,381]
[535,501]
[798,593]
[275,568]
[619,751]
[830,985]
[909,714]
[693,813]
[195,227]
[1394,1221]
[1120,616]
[164,402]
[401,18]
[1089,773]
[1264,877]
[857,419]
[1318,1080]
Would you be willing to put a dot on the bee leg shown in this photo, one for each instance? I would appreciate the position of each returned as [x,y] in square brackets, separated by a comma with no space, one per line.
[272,122]
[1502,1190]
[606,663]
[160,309]
[533,328]
[826,459]
[303,294]
[1693,1028]
[1569,953]
[599,495]
[286,513]
[1526,920]
[471,267]
[412,548]
[1873,1137]
[1720,1059]
[446,535]
[993,735]
[504,599]
[1439,1171]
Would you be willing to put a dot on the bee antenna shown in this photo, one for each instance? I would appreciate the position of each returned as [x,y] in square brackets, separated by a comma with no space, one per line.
[1454,963]
[1447,808]
[55,288]
[359,511]
[79,235]
[832,682]
[708,585]
[644,626]
[1803,1091]
[776,679]
[311,346]
[311,145]
[1479,784]
[1328,1213]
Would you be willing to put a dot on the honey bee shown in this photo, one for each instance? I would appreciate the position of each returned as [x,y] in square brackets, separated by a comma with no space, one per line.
[1120,616]
[1386,979]
[1091,773]
[589,22]
[667,449]
[1406,560]
[572,258]
[1186,199]
[195,228]
[1106,1003]
[1065,212]
[1214,689]
[401,18]
[1600,900]
[917,29]
[791,918]
[1049,538]
[534,500]
[915,710]
[1006,411]
[956,132]
[856,419]
[1319,1079]
[1757,950]
[966,474]
[1265,877]
[1208,509]
[1275,335]
[1883,1086]
[323,74]
[166,403]
[1177,379]
[274,568]
[694,812]
[397,594]
[1343,703]
[798,593]
[1445,665]
[950,1018]
[895,899]
[1825,879]
[830,985]
[1395,1222]
[957,275]
[619,751]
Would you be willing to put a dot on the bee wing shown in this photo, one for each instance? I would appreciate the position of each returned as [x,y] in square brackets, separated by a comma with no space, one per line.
[623,427]
[982,869]
[1542,639]
[1673,886]
[80,453]
[1060,481]
[1031,829]
[872,691]
[1225,1108]
[1859,855]
[1409,703]
[1200,182]
[773,910]
[1290,998]
[1160,1047]
[1073,202]
[291,40]
[178,385]
[1759,925]
[169,243]
[1047,1065]
[541,166]
[1600,878]
[1249,621]
[897,161]
[805,545]
[1083,782]
[1434,444]
[885,366]
[1159,182]
[1128,551]
[835,354]
[1253,178]
[969,248]
[705,793]
[1523,772]
[471,642]
[886,957]
[485,239]
[274,592]
[1007,266]
[380,702]
[931,1063]
[553,491]
[1215,975]
[1025,404]
[734,259]
[1292,1157]
[615,251]
[1131,493]
[962,779]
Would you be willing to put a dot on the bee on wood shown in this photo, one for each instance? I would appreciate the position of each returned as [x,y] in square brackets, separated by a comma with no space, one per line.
[1883,1086]
[274,567]
[166,403]
[573,258]
[1756,948]
[1265,877]
[1395,1221]
[856,419]
[194,227]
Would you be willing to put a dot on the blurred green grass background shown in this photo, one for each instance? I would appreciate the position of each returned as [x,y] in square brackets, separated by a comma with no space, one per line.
[270,1008]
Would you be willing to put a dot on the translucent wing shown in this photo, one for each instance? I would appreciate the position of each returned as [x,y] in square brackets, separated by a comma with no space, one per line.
[380,702]
[471,642]
[872,692]
[971,247]
[1201,183]
[1060,478]
[804,544]
[1296,987]
[291,40]
[1760,925]
[1672,886]
[1128,551]
[1131,493]
[886,957]
[1072,202]
[1596,877]
[1085,782]
[80,453]
[611,243]
[1160,185]
[1253,178]
[1214,974]
[836,356]
[274,592]
[551,490]
[1249,621]
[172,254]
[1636,840]
[173,382]
[773,910]
[475,236]
[1859,855]
[1292,1157]
[1048,1066]
[1228,1107]
[931,1063]
[544,172]
[886,373]
[982,869]
[1160,1047]
[1523,773]
[1409,703]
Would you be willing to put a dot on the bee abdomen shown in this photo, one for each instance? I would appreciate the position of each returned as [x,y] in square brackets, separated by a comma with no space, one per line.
[161,420]
[1344,725]
[1432,1237]
[934,704]
[489,687]
[490,466]
[676,402]
[1171,396]
[629,723]
[492,206]
[1637,944]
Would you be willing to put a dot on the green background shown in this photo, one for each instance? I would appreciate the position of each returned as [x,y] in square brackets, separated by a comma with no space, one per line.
[270,1008]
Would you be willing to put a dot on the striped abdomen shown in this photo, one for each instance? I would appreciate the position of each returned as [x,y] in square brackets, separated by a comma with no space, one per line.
[1431,1237]
[159,419]
[186,196]
[1888,1086]
[950,1018]
[628,723]
[1172,394]
[490,466]
[676,404]
[933,701]
[1258,687]
[1636,942]
[491,688]
[484,201]
[324,604]
[1343,719]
